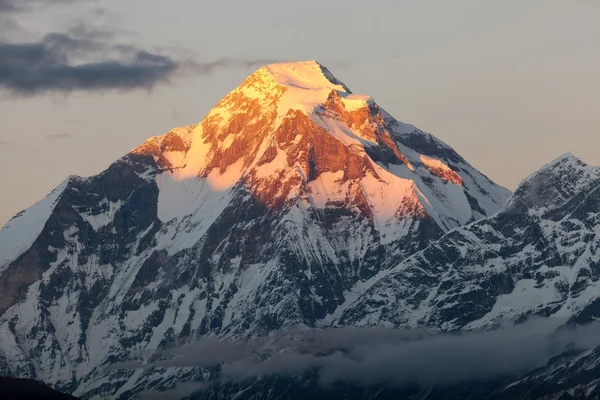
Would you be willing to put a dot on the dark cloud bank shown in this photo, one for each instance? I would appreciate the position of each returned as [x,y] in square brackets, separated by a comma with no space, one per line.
[379,356]
[88,60]
[29,68]
[47,66]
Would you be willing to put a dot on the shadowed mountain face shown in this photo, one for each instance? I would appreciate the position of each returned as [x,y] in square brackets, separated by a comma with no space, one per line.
[289,201]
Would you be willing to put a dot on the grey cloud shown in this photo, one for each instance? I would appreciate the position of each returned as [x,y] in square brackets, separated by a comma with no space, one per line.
[226,62]
[89,58]
[8,25]
[428,360]
[30,68]
[369,356]
[47,66]
[11,5]
[181,390]
[207,352]
[82,58]
[300,339]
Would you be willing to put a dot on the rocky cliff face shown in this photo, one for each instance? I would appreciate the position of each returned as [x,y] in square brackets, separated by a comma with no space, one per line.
[290,199]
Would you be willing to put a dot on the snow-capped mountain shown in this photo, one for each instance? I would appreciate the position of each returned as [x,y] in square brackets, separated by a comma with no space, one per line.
[539,255]
[290,197]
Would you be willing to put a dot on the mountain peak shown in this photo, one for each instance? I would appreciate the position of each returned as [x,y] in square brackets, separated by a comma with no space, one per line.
[305,75]
[292,132]
[296,124]
[239,124]
[556,182]
[562,164]
[567,158]
[297,86]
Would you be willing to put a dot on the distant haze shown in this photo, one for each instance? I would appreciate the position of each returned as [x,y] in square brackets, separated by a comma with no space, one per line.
[509,84]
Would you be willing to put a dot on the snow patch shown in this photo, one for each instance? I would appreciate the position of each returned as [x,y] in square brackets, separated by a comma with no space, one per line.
[227,142]
[354,102]
[24,228]
[306,83]
[98,221]
[271,169]
[327,188]
[175,158]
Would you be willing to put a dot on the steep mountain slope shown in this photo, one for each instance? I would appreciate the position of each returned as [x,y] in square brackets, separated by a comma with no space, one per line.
[288,197]
[538,255]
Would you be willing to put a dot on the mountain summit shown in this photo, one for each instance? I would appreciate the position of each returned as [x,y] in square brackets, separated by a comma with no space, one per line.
[277,208]
[292,134]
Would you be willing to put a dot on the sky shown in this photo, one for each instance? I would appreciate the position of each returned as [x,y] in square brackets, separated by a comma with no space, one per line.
[510,84]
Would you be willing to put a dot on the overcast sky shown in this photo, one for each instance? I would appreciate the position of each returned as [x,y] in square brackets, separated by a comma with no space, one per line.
[510,84]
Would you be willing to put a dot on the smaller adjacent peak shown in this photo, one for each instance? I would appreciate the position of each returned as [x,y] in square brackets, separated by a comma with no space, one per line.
[566,161]
[567,155]
[556,182]
[567,158]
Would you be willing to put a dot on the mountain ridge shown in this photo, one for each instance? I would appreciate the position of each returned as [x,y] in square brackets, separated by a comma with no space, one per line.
[529,249]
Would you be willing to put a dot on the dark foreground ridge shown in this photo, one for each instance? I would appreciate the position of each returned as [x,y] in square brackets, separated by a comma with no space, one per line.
[14,388]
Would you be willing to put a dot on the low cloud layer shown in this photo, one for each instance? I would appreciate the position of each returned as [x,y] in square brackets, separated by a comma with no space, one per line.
[389,357]
[431,360]
[181,390]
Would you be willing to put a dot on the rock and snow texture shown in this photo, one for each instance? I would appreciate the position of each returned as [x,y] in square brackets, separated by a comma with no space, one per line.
[287,202]
[292,134]
[539,255]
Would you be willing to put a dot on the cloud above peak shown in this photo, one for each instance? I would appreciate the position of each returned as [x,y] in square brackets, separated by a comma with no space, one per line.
[44,66]
[89,59]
